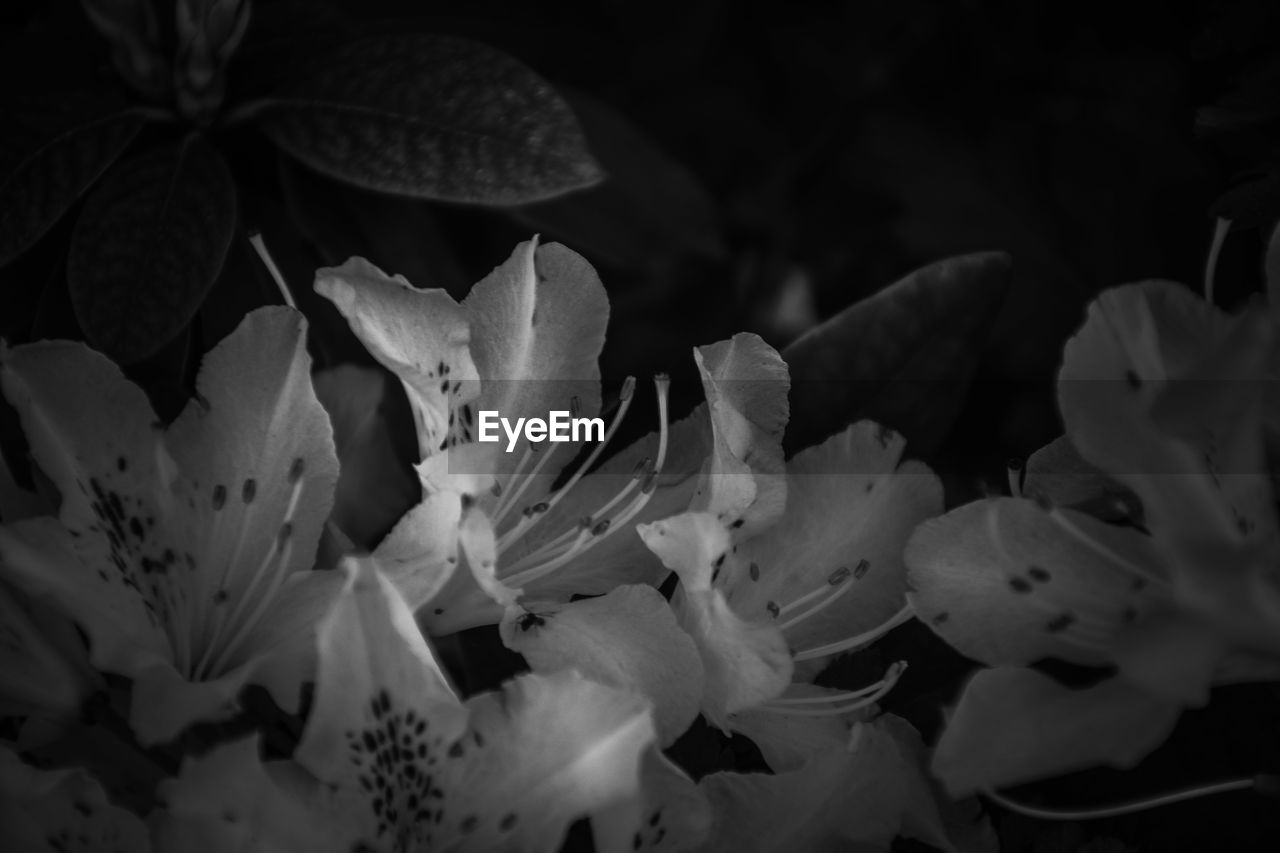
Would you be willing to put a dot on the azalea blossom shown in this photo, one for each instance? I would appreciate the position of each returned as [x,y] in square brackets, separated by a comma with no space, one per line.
[183,552]
[524,343]
[787,564]
[1163,397]
[392,760]
[763,593]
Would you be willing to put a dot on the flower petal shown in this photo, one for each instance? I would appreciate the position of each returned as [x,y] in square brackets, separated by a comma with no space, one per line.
[376,675]
[693,545]
[1162,391]
[541,753]
[1014,725]
[1006,582]
[628,639]
[228,801]
[35,676]
[258,448]
[61,810]
[856,796]
[746,663]
[789,741]
[95,436]
[672,813]
[537,327]
[850,509]
[421,336]
[420,553]
[746,383]
[40,556]
[1171,654]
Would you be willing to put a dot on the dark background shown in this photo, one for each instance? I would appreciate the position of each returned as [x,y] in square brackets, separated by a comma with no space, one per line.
[770,164]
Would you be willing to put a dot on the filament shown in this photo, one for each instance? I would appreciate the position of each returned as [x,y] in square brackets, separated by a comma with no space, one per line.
[1131,807]
[858,639]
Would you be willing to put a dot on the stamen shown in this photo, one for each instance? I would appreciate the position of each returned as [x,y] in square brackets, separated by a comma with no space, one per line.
[262,603]
[1220,230]
[1258,783]
[506,501]
[1099,548]
[891,675]
[864,698]
[222,619]
[601,527]
[837,585]
[525,523]
[857,640]
[1015,468]
[526,479]
[261,248]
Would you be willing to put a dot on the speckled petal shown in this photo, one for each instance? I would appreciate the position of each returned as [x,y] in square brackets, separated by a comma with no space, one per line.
[421,336]
[746,382]
[850,508]
[1005,581]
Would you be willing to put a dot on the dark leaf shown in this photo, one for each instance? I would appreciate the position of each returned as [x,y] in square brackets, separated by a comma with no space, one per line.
[431,117]
[648,209]
[148,246]
[401,235]
[1252,201]
[903,357]
[48,161]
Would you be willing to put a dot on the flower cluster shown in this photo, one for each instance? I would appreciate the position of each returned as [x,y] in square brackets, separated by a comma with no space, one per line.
[208,644]
[1143,544]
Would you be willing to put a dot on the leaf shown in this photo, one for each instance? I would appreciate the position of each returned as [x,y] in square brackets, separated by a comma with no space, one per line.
[148,246]
[650,209]
[903,357]
[54,160]
[432,117]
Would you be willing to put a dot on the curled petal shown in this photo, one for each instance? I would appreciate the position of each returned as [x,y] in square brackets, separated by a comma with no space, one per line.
[628,638]
[421,336]
[693,545]
[420,553]
[537,327]
[746,383]
[1014,725]
[746,663]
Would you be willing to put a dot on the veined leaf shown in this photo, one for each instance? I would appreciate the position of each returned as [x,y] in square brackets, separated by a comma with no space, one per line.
[48,162]
[148,246]
[903,357]
[432,117]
